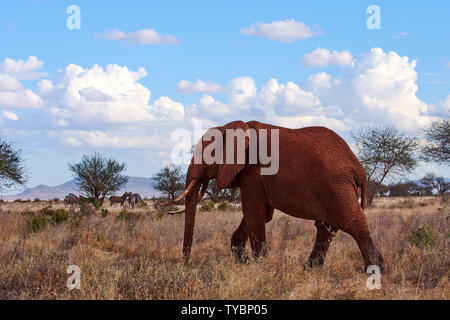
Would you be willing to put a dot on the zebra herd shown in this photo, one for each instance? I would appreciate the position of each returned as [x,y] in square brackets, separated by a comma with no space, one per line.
[133,199]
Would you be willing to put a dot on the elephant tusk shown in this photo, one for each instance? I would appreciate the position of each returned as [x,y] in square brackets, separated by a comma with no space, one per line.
[187,191]
[171,213]
[203,191]
[181,197]
[161,204]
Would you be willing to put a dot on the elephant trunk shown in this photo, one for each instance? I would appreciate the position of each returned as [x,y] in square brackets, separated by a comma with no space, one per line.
[190,209]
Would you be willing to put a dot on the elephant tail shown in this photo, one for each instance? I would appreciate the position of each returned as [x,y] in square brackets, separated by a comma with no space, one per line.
[363,193]
[361,182]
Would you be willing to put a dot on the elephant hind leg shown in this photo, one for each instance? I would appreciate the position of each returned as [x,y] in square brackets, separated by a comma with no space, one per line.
[238,241]
[357,227]
[325,234]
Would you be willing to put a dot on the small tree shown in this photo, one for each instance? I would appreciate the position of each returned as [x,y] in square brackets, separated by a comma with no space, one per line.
[438,147]
[12,171]
[418,189]
[215,194]
[97,177]
[408,188]
[169,181]
[384,153]
[432,182]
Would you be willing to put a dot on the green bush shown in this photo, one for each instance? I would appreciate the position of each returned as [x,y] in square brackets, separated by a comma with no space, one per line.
[209,206]
[97,204]
[39,220]
[422,237]
[36,224]
[222,206]
[55,216]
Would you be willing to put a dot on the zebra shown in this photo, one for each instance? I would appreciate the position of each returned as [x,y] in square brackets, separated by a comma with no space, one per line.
[117,199]
[71,200]
[135,199]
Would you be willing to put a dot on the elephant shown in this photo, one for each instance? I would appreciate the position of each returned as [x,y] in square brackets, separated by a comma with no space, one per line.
[317,179]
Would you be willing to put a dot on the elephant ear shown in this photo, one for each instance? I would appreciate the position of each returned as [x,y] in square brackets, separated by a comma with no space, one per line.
[227,172]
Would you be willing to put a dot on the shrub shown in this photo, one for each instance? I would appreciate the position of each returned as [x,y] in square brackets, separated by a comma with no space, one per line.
[422,237]
[209,206]
[36,224]
[222,206]
[56,216]
[97,204]
[37,200]
[160,214]
[38,221]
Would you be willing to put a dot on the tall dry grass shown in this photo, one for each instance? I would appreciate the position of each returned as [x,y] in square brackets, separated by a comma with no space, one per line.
[138,256]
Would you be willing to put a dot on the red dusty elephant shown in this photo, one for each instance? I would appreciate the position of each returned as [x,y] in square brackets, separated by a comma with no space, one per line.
[317,179]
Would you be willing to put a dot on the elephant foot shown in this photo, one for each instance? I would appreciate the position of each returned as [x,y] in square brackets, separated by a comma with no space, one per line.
[313,263]
[375,262]
[240,255]
[375,268]
[244,258]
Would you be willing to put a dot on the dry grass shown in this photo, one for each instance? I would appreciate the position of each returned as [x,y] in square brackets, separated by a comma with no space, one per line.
[139,257]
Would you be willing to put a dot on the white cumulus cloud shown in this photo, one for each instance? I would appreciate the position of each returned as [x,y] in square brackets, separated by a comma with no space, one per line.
[110,95]
[25,99]
[108,107]
[324,58]
[9,83]
[144,36]
[23,69]
[185,86]
[286,31]
[10,115]
[401,34]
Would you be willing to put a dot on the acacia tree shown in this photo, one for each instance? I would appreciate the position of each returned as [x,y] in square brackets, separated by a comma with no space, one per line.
[438,147]
[431,181]
[12,170]
[97,177]
[384,153]
[169,181]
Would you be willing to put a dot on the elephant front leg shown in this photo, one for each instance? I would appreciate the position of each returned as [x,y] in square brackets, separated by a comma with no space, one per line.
[255,209]
[325,234]
[256,229]
[238,241]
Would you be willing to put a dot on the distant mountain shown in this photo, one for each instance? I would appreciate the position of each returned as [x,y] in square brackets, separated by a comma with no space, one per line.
[135,184]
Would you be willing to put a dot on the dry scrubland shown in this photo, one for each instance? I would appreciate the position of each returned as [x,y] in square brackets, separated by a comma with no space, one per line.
[138,256]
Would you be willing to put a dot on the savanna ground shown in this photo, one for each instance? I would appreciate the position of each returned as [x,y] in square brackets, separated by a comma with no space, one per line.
[137,255]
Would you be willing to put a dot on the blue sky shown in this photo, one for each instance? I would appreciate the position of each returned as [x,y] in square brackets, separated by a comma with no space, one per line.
[331,71]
